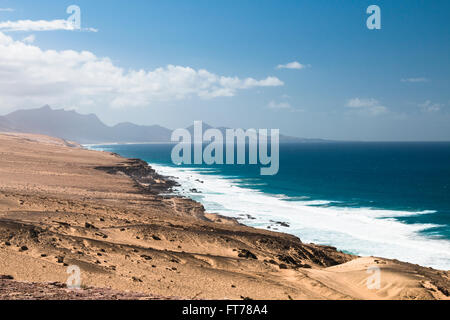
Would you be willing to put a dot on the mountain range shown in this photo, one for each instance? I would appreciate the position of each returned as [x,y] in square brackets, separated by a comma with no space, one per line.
[89,129]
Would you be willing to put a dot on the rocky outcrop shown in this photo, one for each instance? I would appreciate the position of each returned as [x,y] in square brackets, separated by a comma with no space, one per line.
[147,179]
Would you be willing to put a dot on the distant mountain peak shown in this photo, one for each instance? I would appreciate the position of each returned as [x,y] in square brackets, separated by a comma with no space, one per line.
[46,107]
[73,126]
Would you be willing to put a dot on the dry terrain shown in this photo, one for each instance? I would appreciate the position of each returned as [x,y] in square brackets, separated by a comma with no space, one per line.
[61,205]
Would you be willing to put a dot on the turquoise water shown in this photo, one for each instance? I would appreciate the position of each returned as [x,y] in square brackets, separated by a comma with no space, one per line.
[384,199]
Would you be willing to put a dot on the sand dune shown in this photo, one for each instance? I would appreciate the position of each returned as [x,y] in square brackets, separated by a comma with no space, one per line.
[61,205]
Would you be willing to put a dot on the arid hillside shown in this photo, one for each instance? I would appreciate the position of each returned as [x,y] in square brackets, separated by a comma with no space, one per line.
[61,206]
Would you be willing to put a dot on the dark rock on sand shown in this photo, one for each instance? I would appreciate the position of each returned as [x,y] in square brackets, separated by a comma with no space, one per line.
[243,253]
[88,225]
[288,259]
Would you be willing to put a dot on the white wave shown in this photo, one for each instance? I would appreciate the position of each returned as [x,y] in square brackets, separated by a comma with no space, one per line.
[363,231]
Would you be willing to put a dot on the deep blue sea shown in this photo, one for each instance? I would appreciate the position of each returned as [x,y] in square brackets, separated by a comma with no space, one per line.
[382,199]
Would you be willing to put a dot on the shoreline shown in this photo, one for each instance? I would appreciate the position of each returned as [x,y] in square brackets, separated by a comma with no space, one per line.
[213,192]
[106,214]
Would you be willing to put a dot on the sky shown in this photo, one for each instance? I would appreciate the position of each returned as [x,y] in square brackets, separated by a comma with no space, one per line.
[311,68]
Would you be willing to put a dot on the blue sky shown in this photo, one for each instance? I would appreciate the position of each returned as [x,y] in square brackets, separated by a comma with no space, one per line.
[355,83]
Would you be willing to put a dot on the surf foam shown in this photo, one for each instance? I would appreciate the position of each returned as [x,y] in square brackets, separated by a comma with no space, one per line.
[362,231]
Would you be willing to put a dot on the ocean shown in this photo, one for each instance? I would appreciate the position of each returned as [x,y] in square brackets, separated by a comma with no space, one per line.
[372,199]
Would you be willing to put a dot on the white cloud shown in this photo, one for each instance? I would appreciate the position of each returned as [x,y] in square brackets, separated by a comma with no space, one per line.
[292,65]
[428,106]
[368,106]
[283,106]
[279,105]
[7,10]
[415,80]
[40,25]
[30,39]
[30,76]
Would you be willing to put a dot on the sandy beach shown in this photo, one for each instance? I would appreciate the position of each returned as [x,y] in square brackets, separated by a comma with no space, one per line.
[62,205]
